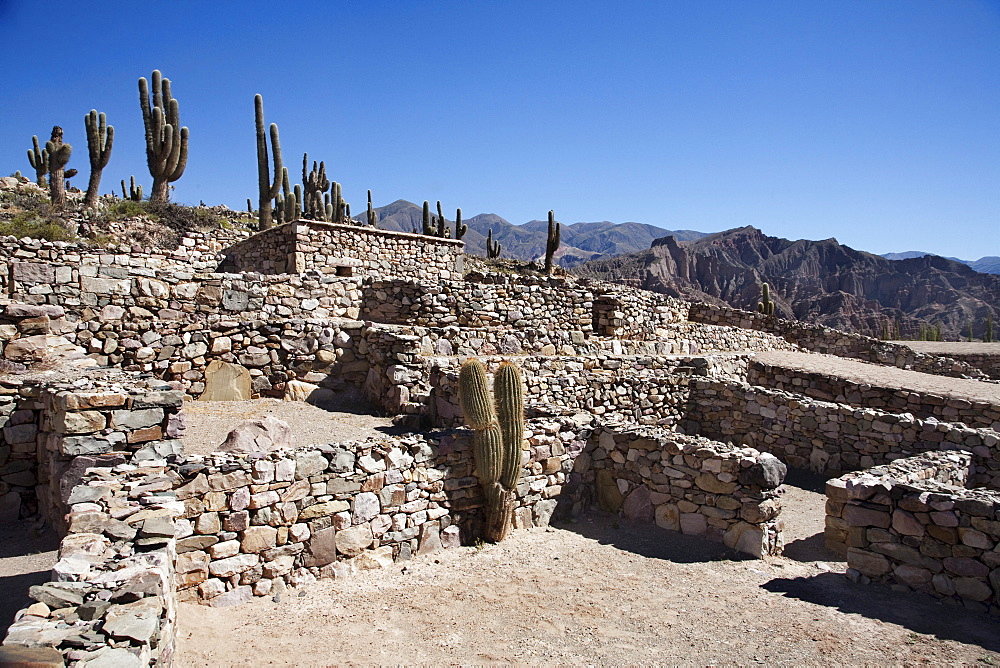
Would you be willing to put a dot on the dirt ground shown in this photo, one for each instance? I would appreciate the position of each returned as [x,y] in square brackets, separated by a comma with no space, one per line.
[599,591]
[208,422]
[27,555]
[953,347]
[884,376]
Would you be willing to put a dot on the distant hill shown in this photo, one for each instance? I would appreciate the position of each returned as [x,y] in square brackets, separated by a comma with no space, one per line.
[986,265]
[816,281]
[580,241]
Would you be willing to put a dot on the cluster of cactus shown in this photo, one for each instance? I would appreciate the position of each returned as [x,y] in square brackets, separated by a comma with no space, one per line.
[492,247]
[765,305]
[551,242]
[100,137]
[437,226]
[317,204]
[166,140]
[498,433]
[134,192]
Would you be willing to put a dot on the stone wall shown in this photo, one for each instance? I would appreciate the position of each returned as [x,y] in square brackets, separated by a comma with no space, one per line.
[690,484]
[827,437]
[842,390]
[821,339]
[330,248]
[914,525]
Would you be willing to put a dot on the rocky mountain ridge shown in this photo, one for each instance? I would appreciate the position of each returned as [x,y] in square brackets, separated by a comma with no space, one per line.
[823,282]
[988,264]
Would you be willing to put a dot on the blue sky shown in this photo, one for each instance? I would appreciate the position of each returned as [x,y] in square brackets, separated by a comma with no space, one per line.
[877,123]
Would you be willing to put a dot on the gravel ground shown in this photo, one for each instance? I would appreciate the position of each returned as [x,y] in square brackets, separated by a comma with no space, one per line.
[884,376]
[952,347]
[597,591]
[27,555]
[208,422]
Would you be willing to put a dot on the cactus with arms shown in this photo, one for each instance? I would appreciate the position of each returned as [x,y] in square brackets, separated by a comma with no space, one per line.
[59,154]
[372,216]
[460,229]
[492,247]
[765,305]
[39,159]
[267,189]
[100,137]
[551,242]
[134,192]
[166,140]
[498,433]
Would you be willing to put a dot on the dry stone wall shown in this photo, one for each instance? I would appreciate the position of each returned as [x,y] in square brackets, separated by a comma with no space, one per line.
[821,339]
[330,248]
[690,484]
[842,390]
[828,437]
[913,524]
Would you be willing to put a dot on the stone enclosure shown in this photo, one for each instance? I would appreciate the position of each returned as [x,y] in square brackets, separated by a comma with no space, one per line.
[637,403]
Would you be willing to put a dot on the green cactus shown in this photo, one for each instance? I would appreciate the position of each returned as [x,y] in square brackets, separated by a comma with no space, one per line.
[460,229]
[59,154]
[551,242]
[428,229]
[267,189]
[441,222]
[372,215]
[315,184]
[166,140]
[134,192]
[100,137]
[498,434]
[337,203]
[39,159]
[492,247]
[765,305]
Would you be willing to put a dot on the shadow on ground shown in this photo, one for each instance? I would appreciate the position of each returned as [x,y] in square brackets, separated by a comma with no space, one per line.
[919,613]
[813,547]
[648,540]
[27,554]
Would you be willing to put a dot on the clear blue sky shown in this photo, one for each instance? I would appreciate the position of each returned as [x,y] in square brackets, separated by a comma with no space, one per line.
[877,123]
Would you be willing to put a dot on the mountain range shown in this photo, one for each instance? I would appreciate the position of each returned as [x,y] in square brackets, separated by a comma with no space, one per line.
[989,264]
[823,282]
[580,242]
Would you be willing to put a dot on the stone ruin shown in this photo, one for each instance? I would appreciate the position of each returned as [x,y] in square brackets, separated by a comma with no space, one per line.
[637,403]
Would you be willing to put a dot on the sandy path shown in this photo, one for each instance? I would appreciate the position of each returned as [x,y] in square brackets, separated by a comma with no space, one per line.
[597,591]
[953,347]
[208,422]
[884,376]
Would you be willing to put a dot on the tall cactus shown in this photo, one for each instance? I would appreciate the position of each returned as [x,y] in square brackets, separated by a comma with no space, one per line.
[765,305]
[315,184]
[166,140]
[428,228]
[39,159]
[59,154]
[337,203]
[492,247]
[372,215]
[100,137]
[441,222]
[267,189]
[551,242]
[498,433]
[460,229]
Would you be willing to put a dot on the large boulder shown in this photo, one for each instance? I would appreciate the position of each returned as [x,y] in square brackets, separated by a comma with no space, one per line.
[263,435]
[225,381]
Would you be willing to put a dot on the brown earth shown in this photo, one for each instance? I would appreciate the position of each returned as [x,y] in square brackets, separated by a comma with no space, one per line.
[953,347]
[600,591]
[27,555]
[883,376]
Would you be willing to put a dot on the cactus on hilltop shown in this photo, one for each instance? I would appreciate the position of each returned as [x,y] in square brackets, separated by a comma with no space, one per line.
[134,192]
[166,140]
[551,242]
[372,215]
[492,247]
[100,137]
[498,432]
[267,189]
[39,159]
[315,185]
[59,153]
[765,305]
[441,222]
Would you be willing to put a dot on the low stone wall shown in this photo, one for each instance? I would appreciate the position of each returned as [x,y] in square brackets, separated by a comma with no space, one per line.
[821,339]
[690,484]
[842,390]
[330,248]
[647,390]
[912,524]
[634,314]
[827,437]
